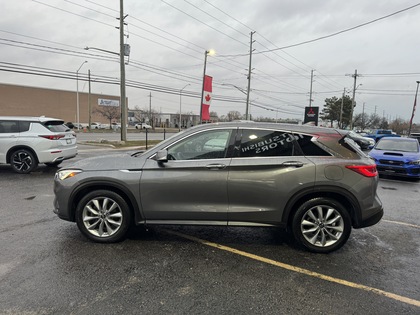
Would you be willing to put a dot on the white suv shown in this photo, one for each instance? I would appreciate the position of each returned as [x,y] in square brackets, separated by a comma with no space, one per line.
[27,141]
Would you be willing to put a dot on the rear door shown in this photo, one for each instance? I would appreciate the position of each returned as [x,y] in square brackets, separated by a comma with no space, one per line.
[267,169]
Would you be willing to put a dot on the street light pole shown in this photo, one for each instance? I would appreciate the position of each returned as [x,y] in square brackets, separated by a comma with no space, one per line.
[180,93]
[414,109]
[77,95]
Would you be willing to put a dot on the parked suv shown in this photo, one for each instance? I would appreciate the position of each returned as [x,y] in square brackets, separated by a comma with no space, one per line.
[27,141]
[313,181]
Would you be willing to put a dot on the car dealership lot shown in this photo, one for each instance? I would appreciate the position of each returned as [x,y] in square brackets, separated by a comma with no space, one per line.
[47,267]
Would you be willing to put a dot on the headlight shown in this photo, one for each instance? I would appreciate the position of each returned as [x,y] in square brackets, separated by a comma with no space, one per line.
[62,175]
[416,162]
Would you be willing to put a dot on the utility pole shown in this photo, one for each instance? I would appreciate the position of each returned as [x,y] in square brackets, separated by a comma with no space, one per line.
[310,91]
[363,117]
[414,109]
[124,114]
[355,75]
[150,110]
[89,103]
[341,109]
[249,77]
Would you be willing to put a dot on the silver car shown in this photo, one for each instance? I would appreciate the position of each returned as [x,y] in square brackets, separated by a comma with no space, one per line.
[310,180]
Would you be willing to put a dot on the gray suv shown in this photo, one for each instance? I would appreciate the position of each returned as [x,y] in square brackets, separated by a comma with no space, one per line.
[313,181]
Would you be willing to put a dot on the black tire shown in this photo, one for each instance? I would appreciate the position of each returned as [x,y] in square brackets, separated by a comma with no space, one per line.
[103,216]
[321,225]
[53,164]
[23,161]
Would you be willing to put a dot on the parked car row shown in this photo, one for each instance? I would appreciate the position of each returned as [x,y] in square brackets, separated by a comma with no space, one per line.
[98,125]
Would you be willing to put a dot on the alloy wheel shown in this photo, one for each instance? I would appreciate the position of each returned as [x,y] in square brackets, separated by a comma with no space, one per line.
[102,217]
[322,226]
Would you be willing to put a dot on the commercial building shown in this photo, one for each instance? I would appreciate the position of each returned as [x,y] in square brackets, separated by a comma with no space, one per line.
[18,100]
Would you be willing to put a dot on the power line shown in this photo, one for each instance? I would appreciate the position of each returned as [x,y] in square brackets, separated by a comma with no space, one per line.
[342,31]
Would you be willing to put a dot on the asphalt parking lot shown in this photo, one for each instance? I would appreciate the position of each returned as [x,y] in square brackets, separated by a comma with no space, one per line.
[48,267]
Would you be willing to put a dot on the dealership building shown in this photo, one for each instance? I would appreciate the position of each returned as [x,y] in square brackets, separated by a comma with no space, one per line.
[19,100]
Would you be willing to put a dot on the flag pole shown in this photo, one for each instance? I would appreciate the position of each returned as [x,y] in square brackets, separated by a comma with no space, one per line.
[202,90]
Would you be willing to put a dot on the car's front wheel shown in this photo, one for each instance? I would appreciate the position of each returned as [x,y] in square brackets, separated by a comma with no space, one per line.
[321,225]
[103,216]
[23,161]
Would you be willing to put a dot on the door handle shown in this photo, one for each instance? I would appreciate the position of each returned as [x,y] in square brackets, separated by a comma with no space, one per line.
[216,166]
[292,163]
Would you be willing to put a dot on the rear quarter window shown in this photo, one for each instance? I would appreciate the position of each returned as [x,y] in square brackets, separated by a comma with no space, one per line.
[308,147]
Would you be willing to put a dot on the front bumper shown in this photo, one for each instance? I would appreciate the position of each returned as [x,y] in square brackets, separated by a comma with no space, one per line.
[412,171]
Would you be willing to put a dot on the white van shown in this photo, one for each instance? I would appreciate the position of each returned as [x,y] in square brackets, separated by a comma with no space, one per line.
[26,142]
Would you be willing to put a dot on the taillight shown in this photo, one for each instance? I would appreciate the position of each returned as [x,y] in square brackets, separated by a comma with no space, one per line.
[52,137]
[365,170]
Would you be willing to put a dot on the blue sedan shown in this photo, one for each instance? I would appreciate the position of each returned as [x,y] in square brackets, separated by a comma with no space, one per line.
[397,156]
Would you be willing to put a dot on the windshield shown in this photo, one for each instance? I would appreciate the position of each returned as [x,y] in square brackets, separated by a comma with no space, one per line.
[397,145]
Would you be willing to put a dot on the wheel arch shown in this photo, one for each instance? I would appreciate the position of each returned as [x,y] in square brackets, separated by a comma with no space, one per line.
[18,147]
[81,191]
[341,195]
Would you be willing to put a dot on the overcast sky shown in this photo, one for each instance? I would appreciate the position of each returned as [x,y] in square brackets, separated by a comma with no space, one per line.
[169,38]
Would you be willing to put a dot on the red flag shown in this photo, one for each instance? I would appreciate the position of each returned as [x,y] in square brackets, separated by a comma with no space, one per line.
[205,107]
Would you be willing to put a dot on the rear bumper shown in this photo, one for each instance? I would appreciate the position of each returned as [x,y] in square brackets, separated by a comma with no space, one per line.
[370,215]
[57,154]
[371,220]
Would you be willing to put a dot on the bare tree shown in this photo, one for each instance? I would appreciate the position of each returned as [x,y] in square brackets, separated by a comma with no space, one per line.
[147,115]
[234,115]
[109,112]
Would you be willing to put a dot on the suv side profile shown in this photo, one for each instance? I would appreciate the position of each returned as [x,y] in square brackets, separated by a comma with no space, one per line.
[26,142]
[313,181]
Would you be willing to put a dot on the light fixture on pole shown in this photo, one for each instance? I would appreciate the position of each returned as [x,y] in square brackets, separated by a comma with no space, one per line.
[210,52]
[77,95]
[180,93]
[414,109]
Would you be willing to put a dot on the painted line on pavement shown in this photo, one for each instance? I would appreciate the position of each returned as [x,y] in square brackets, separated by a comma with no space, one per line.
[307,272]
[402,223]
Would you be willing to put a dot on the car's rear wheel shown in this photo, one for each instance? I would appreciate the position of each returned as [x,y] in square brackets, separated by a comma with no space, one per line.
[103,216]
[321,225]
[23,161]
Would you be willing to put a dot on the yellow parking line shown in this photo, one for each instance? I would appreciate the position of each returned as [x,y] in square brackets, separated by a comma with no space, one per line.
[300,270]
[402,223]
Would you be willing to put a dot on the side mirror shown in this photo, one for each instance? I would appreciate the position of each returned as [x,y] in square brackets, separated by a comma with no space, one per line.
[162,156]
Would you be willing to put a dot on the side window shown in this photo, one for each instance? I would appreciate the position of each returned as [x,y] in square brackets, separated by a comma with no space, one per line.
[308,147]
[9,126]
[206,145]
[266,143]
[24,126]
